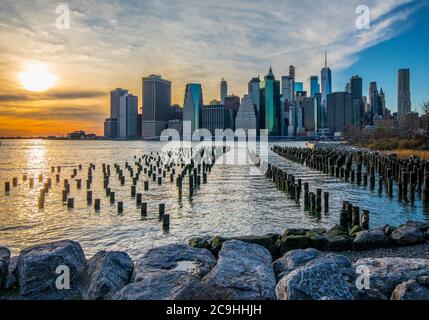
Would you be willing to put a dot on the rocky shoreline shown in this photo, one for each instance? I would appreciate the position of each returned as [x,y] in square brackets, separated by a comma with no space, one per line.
[302,264]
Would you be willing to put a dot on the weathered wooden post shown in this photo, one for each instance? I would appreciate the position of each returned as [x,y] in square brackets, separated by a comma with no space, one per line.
[365,220]
[143,209]
[70,203]
[120,207]
[7,187]
[112,197]
[97,204]
[356,216]
[89,197]
[139,199]
[161,210]
[64,196]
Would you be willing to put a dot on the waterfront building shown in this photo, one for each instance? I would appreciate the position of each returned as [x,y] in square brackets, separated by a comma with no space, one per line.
[308,110]
[253,92]
[339,111]
[313,85]
[177,125]
[193,105]
[156,93]
[246,116]
[356,90]
[223,90]
[111,124]
[128,110]
[319,115]
[270,104]
[176,112]
[217,117]
[404,94]
[373,98]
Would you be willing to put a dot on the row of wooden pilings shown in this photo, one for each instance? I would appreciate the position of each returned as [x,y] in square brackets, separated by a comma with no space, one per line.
[152,165]
[410,175]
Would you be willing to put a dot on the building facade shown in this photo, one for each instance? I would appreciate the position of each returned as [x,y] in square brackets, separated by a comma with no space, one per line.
[156,94]
[193,105]
[246,116]
[217,117]
[404,94]
[339,111]
[223,90]
[270,104]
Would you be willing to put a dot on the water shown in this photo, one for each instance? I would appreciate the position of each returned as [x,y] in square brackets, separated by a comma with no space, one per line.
[232,203]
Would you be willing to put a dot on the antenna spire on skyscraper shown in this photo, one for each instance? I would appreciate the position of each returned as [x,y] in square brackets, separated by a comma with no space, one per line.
[326,59]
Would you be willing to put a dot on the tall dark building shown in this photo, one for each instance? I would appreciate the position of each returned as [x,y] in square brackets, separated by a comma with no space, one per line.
[339,111]
[156,105]
[404,94]
[217,117]
[356,90]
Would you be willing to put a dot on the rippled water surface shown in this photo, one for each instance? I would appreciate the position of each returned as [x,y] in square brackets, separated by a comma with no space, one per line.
[232,203]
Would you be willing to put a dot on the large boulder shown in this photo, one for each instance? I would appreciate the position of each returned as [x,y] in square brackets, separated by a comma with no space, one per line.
[37,270]
[244,272]
[387,273]
[322,278]
[424,226]
[4,265]
[10,281]
[338,239]
[292,242]
[107,273]
[407,236]
[317,239]
[268,241]
[293,260]
[410,290]
[371,239]
[177,257]
[165,285]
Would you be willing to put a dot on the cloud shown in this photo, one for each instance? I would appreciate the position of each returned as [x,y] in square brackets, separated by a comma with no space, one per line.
[58,113]
[55,95]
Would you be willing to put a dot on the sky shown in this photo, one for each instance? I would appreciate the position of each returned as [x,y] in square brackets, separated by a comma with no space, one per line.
[113,44]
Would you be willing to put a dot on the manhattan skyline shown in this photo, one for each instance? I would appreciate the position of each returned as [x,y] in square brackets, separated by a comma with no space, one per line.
[201,43]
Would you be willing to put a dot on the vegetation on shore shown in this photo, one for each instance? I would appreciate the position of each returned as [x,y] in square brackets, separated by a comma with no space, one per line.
[403,147]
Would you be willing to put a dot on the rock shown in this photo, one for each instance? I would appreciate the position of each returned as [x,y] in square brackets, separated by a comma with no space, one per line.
[389,230]
[338,242]
[320,279]
[197,262]
[355,230]
[338,231]
[368,295]
[11,279]
[268,242]
[293,260]
[244,272]
[371,239]
[292,242]
[295,232]
[423,226]
[107,273]
[410,290]
[165,285]
[202,242]
[4,265]
[36,270]
[317,240]
[423,280]
[216,245]
[407,236]
[387,273]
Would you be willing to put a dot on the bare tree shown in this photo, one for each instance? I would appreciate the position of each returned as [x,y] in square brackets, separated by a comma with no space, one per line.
[425,108]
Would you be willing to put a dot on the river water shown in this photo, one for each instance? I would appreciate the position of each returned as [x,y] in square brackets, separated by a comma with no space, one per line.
[234,202]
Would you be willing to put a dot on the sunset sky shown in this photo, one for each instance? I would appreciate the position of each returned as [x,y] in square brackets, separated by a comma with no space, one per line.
[113,44]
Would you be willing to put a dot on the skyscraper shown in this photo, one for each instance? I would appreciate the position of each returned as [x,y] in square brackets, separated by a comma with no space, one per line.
[111,125]
[156,94]
[356,88]
[313,84]
[223,90]
[299,86]
[373,97]
[326,79]
[254,92]
[216,117]
[339,111]
[128,109]
[193,104]
[404,94]
[246,116]
[270,104]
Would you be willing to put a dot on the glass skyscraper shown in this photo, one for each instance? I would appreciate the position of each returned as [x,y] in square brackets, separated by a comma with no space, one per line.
[314,85]
[270,104]
[193,105]
[326,79]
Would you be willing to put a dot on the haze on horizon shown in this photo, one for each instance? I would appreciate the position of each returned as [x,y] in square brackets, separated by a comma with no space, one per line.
[56,81]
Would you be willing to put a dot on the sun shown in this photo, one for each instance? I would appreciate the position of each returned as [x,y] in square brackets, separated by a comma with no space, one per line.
[37,77]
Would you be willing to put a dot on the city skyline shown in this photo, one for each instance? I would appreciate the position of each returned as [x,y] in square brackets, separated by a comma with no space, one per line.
[75,104]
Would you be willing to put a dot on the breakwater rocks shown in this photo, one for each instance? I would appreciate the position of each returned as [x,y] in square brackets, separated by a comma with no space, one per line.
[299,265]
